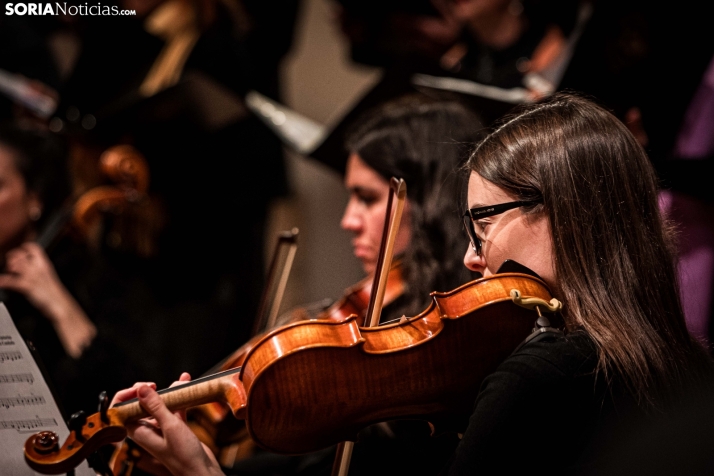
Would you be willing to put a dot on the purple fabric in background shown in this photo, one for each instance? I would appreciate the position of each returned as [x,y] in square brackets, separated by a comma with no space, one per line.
[695,223]
[696,138]
[695,218]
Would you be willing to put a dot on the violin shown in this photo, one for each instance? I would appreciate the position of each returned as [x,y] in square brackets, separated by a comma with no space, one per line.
[125,199]
[308,385]
[128,171]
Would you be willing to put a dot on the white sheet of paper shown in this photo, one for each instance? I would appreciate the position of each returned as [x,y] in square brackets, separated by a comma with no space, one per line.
[26,403]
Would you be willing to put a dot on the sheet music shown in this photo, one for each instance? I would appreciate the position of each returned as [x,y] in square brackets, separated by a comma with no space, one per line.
[299,132]
[26,404]
[465,86]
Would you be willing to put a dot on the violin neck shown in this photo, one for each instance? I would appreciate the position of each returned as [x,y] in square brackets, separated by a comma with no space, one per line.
[221,387]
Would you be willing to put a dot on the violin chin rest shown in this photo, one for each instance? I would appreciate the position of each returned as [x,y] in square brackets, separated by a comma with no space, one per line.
[511,266]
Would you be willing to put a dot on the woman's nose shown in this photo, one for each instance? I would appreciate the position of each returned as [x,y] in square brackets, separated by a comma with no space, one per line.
[350,219]
[473,261]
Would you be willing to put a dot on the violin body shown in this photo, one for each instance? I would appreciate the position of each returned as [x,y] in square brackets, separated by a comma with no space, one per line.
[308,385]
[312,384]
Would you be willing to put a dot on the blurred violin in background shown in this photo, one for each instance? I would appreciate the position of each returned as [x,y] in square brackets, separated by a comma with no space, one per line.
[131,218]
[121,197]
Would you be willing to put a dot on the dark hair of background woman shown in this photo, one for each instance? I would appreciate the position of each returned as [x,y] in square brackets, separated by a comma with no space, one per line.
[425,142]
[41,158]
[614,253]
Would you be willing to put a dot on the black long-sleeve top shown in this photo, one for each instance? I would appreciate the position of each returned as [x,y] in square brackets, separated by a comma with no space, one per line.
[546,410]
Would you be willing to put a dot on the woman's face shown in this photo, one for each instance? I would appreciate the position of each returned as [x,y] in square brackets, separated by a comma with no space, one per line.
[365,212]
[509,235]
[16,204]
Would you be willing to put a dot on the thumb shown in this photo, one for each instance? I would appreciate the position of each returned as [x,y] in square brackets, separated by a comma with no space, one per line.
[153,404]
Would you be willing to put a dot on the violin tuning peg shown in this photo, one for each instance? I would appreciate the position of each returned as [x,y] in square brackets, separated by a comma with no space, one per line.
[45,442]
[103,406]
[76,423]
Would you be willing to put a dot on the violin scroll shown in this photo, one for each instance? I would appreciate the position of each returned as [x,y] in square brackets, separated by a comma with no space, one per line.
[124,165]
[120,213]
[44,454]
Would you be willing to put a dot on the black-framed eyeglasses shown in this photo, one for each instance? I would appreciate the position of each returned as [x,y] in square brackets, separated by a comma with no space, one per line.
[473,214]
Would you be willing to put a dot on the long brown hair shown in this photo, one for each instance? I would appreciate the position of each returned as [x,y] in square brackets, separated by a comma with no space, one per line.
[614,256]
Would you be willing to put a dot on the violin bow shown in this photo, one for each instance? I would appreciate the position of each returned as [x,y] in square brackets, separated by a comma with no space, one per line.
[286,238]
[386,250]
[261,322]
[398,188]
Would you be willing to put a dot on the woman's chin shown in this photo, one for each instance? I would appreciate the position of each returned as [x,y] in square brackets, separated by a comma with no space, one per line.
[369,268]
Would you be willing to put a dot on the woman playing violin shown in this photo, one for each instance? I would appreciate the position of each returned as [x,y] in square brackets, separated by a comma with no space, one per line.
[424,142]
[563,188]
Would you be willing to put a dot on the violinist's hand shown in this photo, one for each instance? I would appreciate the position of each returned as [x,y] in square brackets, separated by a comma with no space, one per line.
[166,436]
[31,273]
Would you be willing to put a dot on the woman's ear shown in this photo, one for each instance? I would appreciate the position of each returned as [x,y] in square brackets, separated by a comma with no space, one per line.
[34,206]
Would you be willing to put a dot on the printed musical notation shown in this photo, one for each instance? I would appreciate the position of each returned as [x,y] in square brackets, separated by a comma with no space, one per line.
[17,378]
[11,356]
[25,426]
[21,401]
[26,402]
[7,340]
